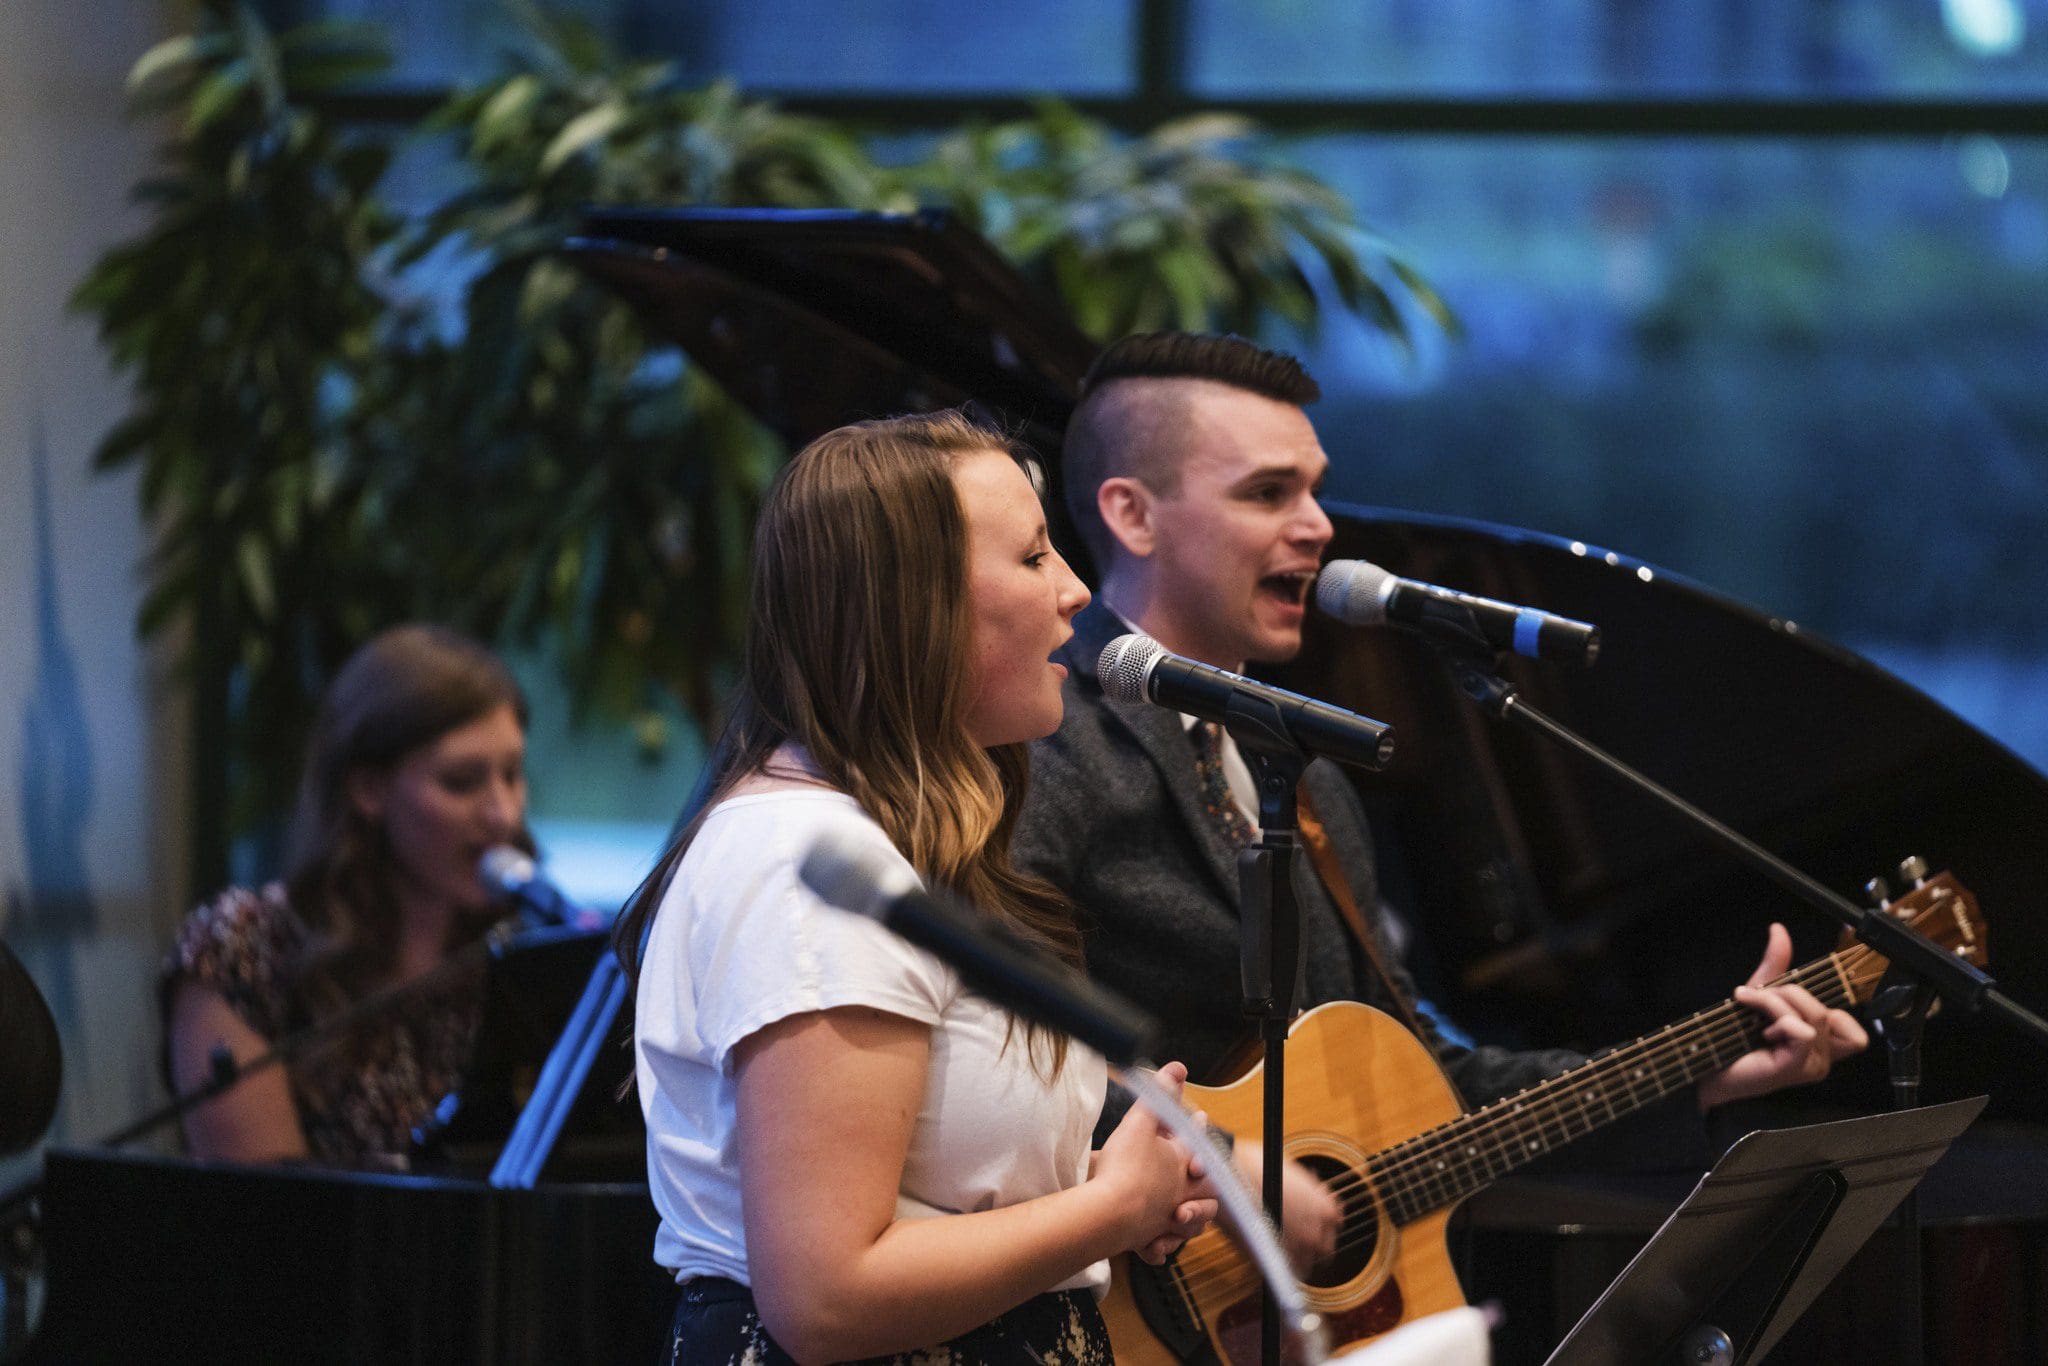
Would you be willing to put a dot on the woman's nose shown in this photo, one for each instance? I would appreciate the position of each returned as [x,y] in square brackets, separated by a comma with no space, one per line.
[503,806]
[1074,594]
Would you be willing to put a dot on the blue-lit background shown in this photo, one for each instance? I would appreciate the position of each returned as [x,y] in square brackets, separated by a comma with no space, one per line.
[1804,369]
[1241,49]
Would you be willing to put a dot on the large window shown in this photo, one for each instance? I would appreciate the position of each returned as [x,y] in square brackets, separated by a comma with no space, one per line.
[1802,364]
[828,46]
[1490,48]
[1808,373]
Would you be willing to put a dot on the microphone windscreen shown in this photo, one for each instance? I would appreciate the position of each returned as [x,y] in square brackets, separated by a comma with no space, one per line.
[853,875]
[504,870]
[1125,664]
[1354,591]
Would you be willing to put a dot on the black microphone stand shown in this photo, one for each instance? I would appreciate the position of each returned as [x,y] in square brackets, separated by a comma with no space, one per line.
[1919,969]
[1898,1013]
[1271,944]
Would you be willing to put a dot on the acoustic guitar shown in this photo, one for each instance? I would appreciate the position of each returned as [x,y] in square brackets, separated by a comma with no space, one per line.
[1368,1111]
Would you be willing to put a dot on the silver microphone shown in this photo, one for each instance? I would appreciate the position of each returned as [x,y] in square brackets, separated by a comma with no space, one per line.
[509,873]
[1137,668]
[1021,977]
[1361,593]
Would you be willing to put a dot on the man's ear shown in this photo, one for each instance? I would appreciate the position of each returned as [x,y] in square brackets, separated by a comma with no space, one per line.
[1126,508]
[365,788]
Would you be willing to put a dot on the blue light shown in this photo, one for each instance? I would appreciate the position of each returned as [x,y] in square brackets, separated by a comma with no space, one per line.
[1984,28]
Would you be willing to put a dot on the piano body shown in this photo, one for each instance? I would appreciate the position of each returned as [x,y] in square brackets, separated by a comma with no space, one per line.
[521,1234]
[1550,906]
[159,1259]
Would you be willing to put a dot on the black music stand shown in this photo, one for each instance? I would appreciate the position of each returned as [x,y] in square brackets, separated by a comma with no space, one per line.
[551,996]
[1762,1234]
[565,1082]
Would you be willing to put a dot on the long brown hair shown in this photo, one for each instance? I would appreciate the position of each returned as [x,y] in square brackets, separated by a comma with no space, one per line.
[857,651]
[404,689]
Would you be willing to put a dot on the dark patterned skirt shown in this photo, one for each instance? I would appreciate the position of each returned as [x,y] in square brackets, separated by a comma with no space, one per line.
[716,1325]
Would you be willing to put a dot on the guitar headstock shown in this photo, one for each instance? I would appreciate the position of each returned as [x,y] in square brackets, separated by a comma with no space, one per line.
[1940,908]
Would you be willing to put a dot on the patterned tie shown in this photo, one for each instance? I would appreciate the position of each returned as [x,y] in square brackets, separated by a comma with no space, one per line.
[1224,812]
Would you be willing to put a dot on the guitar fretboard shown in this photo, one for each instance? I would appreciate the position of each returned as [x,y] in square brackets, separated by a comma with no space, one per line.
[1454,1160]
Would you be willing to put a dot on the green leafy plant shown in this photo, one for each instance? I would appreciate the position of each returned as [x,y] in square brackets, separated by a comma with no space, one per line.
[344,417]
[614,484]
[1191,226]
[243,318]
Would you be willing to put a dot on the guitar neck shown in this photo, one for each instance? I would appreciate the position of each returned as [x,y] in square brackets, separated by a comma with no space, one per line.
[1444,1165]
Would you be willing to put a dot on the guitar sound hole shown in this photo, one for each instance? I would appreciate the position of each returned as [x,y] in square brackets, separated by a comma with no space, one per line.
[1357,1236]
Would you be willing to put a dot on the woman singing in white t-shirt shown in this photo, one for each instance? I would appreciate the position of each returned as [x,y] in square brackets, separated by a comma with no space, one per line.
[853,1157]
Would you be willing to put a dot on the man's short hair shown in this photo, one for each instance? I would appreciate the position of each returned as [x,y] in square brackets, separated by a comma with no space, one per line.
[1224,357]
[1108,438]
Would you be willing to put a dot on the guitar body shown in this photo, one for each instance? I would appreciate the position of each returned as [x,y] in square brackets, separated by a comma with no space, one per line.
[1362,1093]
[1357,1082]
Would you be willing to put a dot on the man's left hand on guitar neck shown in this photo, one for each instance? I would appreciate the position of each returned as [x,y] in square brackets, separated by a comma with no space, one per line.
[1801,1043]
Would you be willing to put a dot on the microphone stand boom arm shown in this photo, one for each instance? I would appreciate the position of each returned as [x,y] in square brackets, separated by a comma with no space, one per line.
[1965,986]
[1916,965]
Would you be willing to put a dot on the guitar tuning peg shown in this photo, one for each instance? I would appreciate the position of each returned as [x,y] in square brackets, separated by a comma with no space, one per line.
[1913,869]
[1879,891]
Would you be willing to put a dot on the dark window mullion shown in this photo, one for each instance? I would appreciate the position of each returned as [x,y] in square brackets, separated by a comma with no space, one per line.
[1162,58]
[1422,115]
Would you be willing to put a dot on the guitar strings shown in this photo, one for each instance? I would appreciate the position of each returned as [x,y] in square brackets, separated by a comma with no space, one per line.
[1526,1112]
[1713,1023]
[1200,1268]
[1826,978]
[1829,979]
[1205,1272]
[1837,975]
[1532,1109]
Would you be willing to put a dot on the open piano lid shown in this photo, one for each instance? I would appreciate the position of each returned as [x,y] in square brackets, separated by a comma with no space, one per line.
[1556,908]
[816,318]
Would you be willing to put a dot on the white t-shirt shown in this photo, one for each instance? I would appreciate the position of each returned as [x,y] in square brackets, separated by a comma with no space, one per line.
[739,943]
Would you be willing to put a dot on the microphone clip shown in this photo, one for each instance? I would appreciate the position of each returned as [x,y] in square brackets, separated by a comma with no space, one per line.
[1257,726]
[1454,632]
[1450,629]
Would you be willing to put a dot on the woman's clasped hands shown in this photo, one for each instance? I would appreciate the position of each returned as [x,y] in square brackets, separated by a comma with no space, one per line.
[1162,1188]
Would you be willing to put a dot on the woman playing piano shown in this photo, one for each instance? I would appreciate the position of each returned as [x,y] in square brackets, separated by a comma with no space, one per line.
[852,1157]
[415,769]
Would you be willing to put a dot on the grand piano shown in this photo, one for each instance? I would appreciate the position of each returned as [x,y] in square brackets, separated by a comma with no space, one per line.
[1550,906]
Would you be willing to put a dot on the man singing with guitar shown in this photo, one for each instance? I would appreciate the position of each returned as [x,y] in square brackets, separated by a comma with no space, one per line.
[1192,472]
